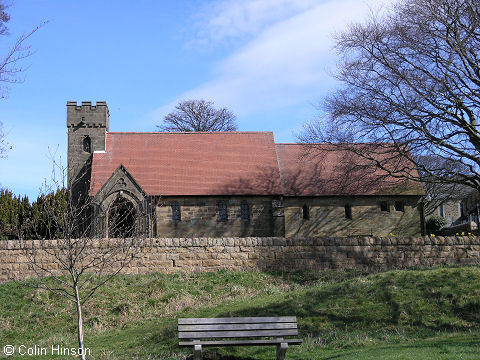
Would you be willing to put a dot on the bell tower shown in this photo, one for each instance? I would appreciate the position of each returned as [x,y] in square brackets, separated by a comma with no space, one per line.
[87,127]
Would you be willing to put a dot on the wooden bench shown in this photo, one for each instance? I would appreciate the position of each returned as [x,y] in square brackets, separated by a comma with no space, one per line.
[238,331]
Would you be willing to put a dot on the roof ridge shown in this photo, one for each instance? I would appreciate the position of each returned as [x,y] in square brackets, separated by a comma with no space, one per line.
[188,132]
[336,144]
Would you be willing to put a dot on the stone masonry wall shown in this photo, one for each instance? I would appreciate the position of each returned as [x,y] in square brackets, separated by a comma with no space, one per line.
[327,216]
[211,254]
[199,217]
[451,211]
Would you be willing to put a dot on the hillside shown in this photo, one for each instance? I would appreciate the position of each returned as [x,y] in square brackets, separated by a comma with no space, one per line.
[404,314]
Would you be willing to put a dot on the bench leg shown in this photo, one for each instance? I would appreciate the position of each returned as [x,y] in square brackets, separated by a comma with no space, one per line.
[197,352]
[281,350]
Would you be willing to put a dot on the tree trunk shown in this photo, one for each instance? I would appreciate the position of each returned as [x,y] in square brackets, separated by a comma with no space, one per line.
[80,323]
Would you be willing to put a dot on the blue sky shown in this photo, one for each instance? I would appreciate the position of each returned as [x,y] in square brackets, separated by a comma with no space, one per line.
[269,61]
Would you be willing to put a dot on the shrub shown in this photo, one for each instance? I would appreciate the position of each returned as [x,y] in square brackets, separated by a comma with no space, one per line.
[435,224]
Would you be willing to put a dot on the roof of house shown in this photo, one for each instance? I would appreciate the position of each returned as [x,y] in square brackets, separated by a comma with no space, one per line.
[239,163]
[194,163]
[329,169]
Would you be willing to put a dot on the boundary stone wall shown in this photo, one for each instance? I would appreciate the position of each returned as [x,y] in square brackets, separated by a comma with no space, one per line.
[269,253]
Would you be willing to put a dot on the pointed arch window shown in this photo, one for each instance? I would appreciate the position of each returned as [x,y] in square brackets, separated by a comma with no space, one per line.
[176,214]
[244,210]
[87,144]
[222,211]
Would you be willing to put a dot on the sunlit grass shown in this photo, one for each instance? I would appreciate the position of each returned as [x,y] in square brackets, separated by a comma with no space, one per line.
[404,314]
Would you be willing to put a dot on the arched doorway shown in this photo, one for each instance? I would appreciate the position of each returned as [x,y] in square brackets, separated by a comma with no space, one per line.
[122,217]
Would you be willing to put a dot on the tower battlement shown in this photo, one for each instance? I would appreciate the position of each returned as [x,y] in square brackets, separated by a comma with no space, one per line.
[87,115]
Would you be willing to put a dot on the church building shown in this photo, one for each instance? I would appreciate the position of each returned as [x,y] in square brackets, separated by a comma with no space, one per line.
[228,184]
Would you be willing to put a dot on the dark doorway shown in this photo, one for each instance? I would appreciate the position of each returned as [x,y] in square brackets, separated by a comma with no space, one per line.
[121,218]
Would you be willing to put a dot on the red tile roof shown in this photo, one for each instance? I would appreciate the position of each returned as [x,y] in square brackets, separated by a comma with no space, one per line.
[328,169]
[214,163]
[240,163]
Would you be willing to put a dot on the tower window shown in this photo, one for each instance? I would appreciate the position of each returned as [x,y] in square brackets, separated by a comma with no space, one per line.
[305,212]
[87,144]
[384,206]
[244,210]
[399,206]
[176,215]
[222,211]
[348,211]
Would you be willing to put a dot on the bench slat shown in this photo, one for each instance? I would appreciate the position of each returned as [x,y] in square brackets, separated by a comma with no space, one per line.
[241,342]
[239,320]
[233,334]
[261,326]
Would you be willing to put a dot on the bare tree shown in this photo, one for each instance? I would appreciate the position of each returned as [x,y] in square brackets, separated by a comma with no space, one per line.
[198,115]
[410,78]
[438,193]
[82,264]
[4,145]
[11,63]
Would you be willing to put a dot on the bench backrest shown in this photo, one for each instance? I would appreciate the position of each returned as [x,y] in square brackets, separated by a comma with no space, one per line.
[208,328]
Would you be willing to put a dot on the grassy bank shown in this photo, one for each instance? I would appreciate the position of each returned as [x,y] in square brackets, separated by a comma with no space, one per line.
[421,314]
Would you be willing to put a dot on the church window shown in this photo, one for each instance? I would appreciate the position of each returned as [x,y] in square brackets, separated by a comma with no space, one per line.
[244,209]
[305,212]
[384,206]
[176,215]
[399,206]
[87,144]
[222,211]
[348,211]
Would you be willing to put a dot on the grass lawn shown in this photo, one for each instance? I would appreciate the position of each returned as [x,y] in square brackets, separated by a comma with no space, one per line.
[403,314]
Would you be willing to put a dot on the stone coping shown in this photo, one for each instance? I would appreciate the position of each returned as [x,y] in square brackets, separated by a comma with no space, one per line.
[261,241]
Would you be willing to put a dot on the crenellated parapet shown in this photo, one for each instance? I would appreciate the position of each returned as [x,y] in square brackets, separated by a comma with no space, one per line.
[87,115]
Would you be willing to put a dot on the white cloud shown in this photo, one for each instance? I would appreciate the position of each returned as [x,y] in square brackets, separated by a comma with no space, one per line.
[286,62]
[233,19]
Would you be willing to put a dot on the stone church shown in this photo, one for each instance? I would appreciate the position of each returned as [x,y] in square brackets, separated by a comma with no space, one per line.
[225,184]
